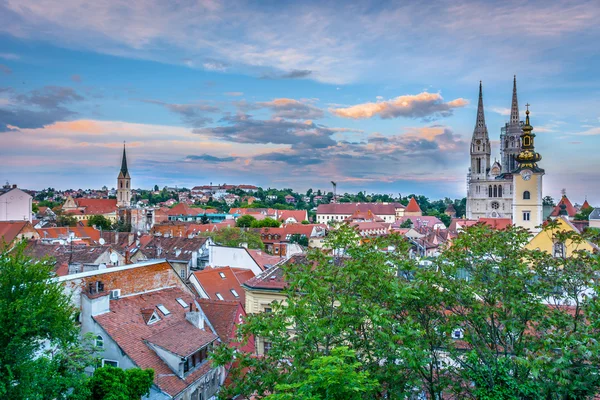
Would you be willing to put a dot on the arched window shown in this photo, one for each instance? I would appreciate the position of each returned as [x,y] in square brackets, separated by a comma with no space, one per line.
[100,341]
[499,190]
[495,191]
[127,185]
[526,195]
[121,184]
[479,165]
[490,191]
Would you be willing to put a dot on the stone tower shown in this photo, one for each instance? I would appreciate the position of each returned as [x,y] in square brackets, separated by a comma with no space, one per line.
[124,184]
[510,137]
[480,144]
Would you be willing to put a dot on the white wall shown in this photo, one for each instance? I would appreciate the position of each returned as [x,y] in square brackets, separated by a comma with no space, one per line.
[235,257]
[15,205]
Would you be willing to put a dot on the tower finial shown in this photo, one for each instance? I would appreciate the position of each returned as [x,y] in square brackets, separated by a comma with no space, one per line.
[528,158]
[514,108]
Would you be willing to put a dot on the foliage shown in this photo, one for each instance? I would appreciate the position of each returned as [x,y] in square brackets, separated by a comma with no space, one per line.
[110,383]
[265,223]
[330,377]
[204,219]
[305,222]
[40,355]
[63,219]
[234,237]
[406,224]
[100,222]
[548,201]
[489,319]
[584,214]
[302,240]
[245,221]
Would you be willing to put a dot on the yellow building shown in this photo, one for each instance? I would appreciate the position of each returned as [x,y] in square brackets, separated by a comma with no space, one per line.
[527,208]
[546,240]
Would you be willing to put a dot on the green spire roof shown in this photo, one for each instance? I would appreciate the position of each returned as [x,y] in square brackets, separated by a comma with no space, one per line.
[124,162]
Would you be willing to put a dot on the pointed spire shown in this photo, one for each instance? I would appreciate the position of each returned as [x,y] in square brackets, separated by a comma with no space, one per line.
[528,158]
[480,128]
[514,109]
[124,162]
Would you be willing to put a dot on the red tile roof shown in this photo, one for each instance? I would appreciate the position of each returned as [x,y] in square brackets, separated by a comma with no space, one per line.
[585,205]
[125,325]
[263,259]
[81,232]
[96,206]
[571,211]
[350,208]
[413,206]
[223,316]
[272,278]
[298,215]
[9,230]
[212,282]
[182,338]
[497,223]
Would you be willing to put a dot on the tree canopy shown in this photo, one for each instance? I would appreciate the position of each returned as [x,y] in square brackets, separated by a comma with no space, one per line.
[235,237]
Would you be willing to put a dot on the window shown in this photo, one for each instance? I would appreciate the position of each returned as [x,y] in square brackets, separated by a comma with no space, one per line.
[100,341]
[222,275]
[182,303]
[495,190]
[490,193]
[163,309]
[526,215]
[234,293]
[195,359]
[559,249]
[268,309]
[499,190]
[267,347]
[219,296]
[153,318]
[457,334]
[526,195]
[182,273]
[112,363]
[495,205]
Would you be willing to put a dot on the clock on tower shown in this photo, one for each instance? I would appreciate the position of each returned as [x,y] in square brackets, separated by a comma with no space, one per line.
[527,183]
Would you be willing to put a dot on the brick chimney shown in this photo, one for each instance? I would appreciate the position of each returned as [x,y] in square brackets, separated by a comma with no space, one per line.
[196,317]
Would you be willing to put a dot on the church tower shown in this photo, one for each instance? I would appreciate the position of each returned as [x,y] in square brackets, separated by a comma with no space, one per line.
[480,144]
[124,184]
[527,183]
[510,145]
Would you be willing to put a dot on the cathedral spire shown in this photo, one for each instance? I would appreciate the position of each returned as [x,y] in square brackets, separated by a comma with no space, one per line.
[480,130]
[514,109]
[124,162]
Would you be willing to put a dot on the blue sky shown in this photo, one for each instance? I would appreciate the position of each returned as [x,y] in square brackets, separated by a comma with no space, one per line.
[378,96]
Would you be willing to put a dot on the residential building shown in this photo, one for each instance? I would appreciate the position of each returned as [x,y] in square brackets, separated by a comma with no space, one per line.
[240,257]
[77,234]
[546,240]
[412,209]
[15,204]
[338,212]
[12,232]
[292,216]
[290,199]
[185,254]
[82,209]
[221,283]
[595,218]
[143,315]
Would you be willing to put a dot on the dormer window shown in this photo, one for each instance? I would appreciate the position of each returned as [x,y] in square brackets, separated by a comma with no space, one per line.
[153,318]
[182,302]
[163,309]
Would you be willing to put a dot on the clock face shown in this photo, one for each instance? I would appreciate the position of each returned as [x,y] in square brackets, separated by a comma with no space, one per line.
[526,175]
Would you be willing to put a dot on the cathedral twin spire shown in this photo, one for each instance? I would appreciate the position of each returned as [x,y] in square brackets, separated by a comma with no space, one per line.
[514,109]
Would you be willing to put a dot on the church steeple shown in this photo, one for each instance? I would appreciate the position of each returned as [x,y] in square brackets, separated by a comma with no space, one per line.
[124,162]
[480,143]
[528,158]
[514,109]
[124,183]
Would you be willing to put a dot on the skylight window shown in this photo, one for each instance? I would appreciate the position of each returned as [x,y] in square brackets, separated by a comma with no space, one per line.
[163,309]
[222,275]
[153,318]
[219,296]
[182,303]
[234,293]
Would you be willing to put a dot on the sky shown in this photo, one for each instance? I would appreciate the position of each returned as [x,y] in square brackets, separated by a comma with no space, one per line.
[377,96]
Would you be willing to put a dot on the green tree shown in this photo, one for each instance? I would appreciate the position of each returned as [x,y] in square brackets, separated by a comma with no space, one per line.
[40,353]
[338,376]
[100,222]
[110,383]
[305,222]
[63,219]
[265,223]
[584,214]
[302,240]
[245,221]
[235,237]
[406,224]
[548,201]
[204,219]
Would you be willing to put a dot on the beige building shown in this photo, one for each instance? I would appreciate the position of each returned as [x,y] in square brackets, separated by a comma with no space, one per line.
[15,204]
[338,212]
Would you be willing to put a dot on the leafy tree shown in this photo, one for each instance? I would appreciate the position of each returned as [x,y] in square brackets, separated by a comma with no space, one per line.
[40,353]
[234,237]
[584,214]
[156,188]
[35,208]
[110,383]
[265,223]
[305,222]
[302,240]
[330,377]
[63,219]
[548,201]
[245,221]
[204,219]
[406,224]
[100,221]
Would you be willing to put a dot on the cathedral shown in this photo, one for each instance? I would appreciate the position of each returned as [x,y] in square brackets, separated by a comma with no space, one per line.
[511,189]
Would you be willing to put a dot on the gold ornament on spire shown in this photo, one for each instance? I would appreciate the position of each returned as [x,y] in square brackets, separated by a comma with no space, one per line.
[528,158]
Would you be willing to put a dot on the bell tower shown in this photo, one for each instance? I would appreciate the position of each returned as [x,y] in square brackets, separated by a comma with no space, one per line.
[480,144]
[124,184]
[527,182]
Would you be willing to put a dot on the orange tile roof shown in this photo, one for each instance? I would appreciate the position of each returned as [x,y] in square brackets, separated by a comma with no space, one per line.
[413,206]
[97,206]
[298,215]
[571,211]
[125,325]
[213,282]
[10,229]
[497,223]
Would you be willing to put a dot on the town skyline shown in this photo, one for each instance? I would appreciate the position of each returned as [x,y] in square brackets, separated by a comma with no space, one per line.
[250,95]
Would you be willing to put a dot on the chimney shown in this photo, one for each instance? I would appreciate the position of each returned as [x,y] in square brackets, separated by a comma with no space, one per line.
[116,237]
[195,318]
[14,186]
[130,239]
